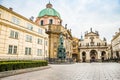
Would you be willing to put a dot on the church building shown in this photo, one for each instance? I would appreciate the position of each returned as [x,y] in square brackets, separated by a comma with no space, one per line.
[52,21]
[92,48]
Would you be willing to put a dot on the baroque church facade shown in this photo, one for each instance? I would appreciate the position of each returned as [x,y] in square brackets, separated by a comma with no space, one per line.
[92,48]
[52,21]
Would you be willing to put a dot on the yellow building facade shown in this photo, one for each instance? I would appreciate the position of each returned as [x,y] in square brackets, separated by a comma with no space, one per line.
[21,38]
[75,53]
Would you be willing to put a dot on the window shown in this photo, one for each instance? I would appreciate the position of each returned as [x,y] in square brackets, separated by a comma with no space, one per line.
[39,41]
[15,20]
[74,44]
[46,43]
[92,43]
[12,49]
[46,52]
[87,44]
[14,34]
[40,31]
[99,44]
[55,44]
[50,21]
[39,52]
[28,38]
[80,44]
[27,51]
[0,13]
[105,44]
[29,26]
[41,22]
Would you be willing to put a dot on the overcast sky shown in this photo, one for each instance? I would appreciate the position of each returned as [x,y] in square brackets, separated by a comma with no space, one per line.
[80,15]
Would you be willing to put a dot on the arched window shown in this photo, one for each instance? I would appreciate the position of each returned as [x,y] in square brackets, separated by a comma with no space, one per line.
[41,22]
[50,21]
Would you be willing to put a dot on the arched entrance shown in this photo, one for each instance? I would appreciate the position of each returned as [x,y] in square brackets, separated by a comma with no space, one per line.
[83,56]
[103,55]
[117,54]
[93,54]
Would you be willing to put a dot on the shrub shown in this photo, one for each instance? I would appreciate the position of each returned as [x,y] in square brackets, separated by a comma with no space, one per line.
[17,64]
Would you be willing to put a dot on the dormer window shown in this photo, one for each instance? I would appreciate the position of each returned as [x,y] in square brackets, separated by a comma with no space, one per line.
[41,22]
[50,21]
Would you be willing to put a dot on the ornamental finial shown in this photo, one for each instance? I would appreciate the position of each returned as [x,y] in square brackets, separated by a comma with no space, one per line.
[49,5]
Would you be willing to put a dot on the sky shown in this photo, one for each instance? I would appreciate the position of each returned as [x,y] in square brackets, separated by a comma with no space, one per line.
[79,15]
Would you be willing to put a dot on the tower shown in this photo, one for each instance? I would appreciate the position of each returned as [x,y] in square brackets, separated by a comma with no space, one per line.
[48,16]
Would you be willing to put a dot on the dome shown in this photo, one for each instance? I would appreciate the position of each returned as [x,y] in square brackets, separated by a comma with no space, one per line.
[49,11]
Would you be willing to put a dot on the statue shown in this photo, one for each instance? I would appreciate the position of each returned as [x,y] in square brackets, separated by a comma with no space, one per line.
[91,30]
[61,54]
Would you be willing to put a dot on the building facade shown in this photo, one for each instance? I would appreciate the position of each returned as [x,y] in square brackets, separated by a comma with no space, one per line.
[51,20]
[21,38]
[116,45]
[92,48]
[75,54]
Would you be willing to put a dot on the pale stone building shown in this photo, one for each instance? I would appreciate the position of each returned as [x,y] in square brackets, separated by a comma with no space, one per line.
[21,38]
[110,51]
[116,45]
[51,20]
[92,48]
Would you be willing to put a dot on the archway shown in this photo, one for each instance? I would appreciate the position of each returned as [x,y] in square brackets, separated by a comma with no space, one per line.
[93,54]
[83,56]
[103,55]
[117,54]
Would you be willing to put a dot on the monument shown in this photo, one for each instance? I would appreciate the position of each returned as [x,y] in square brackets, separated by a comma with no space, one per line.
[61,54]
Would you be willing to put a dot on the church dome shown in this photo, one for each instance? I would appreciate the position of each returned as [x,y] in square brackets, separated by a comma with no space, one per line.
[49,11]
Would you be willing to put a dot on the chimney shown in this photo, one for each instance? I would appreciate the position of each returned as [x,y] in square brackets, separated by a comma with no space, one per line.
[10,8]
[31,18]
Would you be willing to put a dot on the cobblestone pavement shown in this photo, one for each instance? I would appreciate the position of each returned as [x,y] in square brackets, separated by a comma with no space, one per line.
[78,71]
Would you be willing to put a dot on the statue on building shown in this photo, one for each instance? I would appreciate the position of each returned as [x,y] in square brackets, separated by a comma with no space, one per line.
[104,39]
[61,54]
[91,30]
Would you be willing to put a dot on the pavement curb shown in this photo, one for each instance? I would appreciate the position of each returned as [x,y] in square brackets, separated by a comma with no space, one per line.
[14,72]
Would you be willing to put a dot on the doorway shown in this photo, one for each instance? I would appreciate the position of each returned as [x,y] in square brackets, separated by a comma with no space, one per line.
[83,56]
[103,55]
[93,54]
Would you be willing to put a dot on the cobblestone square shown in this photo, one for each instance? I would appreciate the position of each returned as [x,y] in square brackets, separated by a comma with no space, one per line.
[78,71]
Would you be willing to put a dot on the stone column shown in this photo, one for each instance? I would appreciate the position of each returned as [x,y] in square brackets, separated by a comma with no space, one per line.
[80,56]
[87,56]
[99,55]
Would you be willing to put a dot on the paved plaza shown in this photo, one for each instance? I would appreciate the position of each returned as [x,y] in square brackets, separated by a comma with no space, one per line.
[78,71]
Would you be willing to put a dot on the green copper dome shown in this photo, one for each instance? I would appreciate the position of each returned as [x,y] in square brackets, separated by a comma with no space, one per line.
[49,11]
